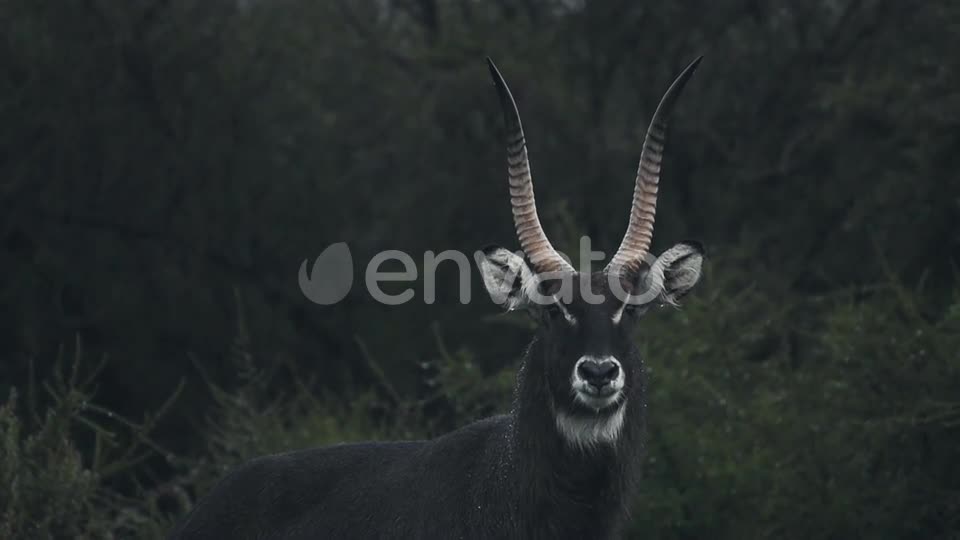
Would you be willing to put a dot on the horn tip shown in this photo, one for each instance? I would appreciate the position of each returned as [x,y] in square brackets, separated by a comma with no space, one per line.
[688,71]
[693,65]
[506,98]
[494,72]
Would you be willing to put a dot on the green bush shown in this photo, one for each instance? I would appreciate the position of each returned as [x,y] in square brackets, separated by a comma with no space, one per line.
[53,489]
[840,423]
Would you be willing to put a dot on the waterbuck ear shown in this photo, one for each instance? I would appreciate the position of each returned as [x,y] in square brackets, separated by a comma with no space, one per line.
[676,271]
[506,276]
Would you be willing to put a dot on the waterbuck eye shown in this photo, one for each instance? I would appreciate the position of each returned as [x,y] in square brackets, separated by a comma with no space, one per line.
[635,310]
[628,310]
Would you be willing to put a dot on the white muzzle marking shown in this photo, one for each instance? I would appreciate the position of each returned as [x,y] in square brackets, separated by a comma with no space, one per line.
[591,396]
[599,426]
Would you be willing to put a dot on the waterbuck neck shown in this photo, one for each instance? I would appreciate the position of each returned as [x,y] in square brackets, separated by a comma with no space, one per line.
[604,475]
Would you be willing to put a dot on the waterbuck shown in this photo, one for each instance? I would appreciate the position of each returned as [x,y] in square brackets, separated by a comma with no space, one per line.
[563,463]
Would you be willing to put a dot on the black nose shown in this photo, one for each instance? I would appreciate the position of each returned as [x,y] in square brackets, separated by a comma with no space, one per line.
[598,373]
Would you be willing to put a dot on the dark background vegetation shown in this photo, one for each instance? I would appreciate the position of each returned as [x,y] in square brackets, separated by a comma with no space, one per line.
[166,165]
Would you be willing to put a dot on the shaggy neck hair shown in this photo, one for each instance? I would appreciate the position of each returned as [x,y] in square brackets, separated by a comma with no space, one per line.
[571,490]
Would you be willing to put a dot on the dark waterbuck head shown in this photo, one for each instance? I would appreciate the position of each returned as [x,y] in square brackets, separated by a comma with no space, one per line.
[585,319]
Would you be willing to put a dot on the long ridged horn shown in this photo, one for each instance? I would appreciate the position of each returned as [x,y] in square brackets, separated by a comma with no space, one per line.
[636,242]
[533,241]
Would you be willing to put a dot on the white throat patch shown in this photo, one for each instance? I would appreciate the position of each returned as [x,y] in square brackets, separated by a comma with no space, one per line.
[586,432]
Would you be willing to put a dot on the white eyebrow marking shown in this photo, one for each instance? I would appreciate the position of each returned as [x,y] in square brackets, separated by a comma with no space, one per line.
[619,312]
[566,313]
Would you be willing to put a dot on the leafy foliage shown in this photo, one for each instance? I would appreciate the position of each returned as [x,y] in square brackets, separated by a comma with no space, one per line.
[823,431]
[56,490]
